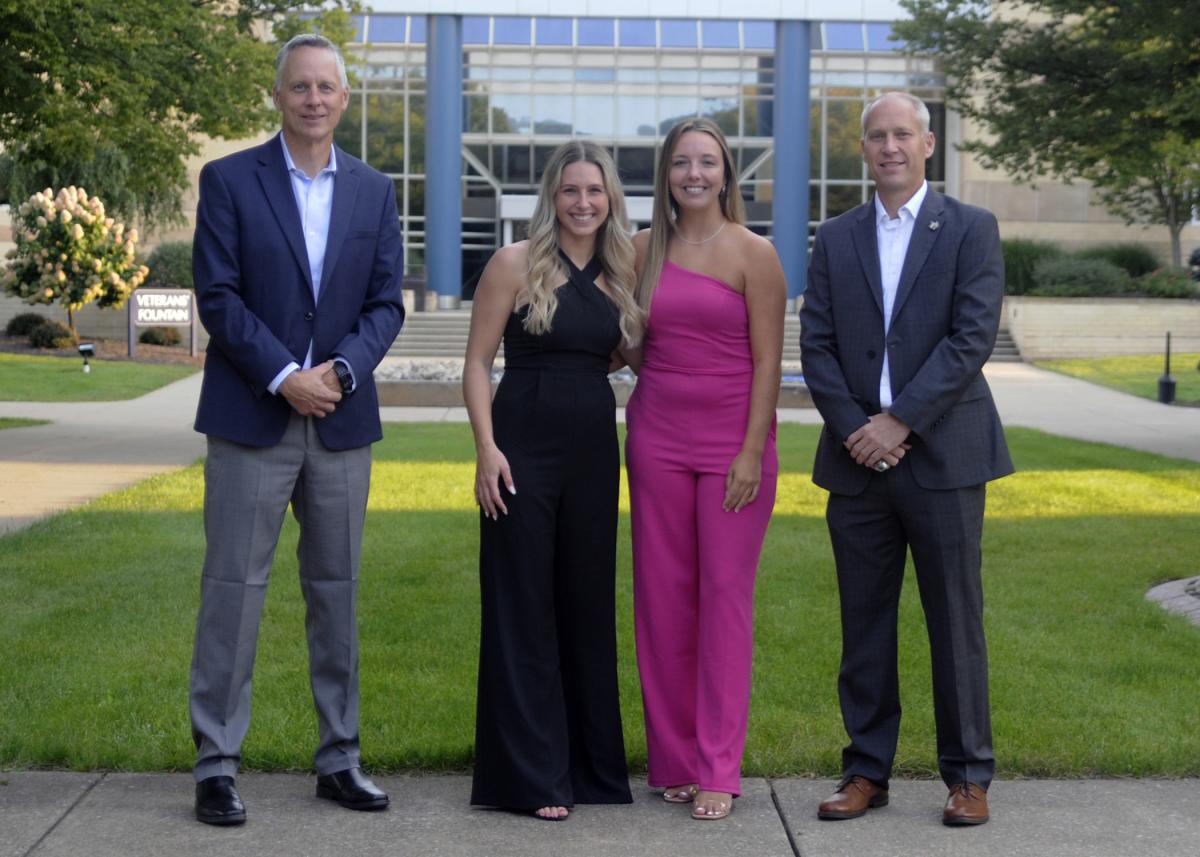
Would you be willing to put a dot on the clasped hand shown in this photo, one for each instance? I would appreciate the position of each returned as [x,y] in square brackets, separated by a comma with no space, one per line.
[881,438]
[312,392]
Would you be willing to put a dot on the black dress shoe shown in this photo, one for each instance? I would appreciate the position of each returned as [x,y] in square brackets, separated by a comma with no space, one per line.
[217,802]
[352,790]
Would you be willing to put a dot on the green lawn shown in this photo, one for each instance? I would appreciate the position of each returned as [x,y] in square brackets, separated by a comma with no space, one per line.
[26,378]
[1135,373]
[1087,677]
[20,422]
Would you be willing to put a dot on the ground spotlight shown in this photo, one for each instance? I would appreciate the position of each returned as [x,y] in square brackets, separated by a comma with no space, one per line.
[87,350]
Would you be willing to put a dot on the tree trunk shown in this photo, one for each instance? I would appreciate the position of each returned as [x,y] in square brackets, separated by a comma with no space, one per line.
[75,333]
[1176,250]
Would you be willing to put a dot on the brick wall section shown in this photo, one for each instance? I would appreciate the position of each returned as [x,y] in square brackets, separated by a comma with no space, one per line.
[1097,327]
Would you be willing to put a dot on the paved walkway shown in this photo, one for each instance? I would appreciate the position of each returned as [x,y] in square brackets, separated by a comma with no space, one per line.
[91,449]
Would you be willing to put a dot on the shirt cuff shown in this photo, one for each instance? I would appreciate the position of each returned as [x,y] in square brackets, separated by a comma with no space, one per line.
[273,387]
[350,369]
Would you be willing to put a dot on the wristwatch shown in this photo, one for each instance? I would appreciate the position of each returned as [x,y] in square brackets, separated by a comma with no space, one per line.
[345,379]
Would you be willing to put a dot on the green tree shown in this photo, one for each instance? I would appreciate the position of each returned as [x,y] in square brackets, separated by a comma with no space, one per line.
[1077,89]
[116,96]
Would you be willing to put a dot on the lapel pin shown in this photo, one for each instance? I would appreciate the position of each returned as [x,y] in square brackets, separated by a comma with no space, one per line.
[933,226]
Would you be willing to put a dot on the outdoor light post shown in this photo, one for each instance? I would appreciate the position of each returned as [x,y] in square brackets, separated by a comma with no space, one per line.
[87,350]
[1166,384]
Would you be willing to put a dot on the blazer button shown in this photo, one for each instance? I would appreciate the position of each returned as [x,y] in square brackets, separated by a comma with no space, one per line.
[870,355]
[308,316]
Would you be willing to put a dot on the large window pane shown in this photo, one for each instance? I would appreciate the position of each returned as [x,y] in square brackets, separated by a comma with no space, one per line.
[637,32]
[416,133]
[843,133]
[475,30]
[719,34]
[677,33]
[595,31]
[510,112]
[348,134]
[841,198]
[511,31]
[554,31]
[515,164]
[385,133]
[878,38]
[388,28]
[594,115]
[552,114]
[723,111]
[635,116]
[759,34]
[843,37]
[635,164]
[673,108]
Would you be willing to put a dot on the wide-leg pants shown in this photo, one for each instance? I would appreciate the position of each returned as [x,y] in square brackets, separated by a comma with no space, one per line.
[548,725]
[694,566]
[247,492]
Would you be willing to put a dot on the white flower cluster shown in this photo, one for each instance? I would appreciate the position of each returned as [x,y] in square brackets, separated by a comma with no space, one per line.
[68,251]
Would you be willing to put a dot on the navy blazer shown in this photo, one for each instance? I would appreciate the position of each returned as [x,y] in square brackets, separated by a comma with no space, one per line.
[943,328]
[255,296]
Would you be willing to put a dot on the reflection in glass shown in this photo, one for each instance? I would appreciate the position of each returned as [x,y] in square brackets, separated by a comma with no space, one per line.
[723,111]
[843,133]
[514,163]
[385,133]
[841,198]
[348,134]
[635,165]
[552,114]
[594,115]
[635,116]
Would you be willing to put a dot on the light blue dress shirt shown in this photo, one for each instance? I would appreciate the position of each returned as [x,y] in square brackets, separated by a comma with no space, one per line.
[314,202]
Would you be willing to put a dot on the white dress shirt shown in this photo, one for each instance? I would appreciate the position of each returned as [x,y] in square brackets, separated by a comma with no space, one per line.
[314,202]
[892,236]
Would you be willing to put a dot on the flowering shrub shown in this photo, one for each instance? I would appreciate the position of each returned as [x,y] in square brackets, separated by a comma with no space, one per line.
[70,253]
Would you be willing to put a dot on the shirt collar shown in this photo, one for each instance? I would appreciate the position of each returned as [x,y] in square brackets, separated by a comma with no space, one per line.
[913,206]
[331,167]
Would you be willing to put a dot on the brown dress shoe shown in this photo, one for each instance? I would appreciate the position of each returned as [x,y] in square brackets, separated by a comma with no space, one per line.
[854,796]
[967,804]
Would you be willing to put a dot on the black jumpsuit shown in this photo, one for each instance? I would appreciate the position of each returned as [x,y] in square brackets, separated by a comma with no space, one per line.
[548,723]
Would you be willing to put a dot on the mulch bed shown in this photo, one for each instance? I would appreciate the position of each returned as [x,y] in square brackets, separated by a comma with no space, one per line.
[107,349]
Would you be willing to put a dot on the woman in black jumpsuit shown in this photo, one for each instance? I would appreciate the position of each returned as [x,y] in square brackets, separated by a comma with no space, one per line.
[548,724]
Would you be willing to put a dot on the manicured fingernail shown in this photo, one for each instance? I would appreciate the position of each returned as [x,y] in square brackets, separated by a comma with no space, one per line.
[512,490]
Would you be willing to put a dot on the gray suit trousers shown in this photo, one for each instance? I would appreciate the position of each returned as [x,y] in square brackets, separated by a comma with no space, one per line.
[247,491]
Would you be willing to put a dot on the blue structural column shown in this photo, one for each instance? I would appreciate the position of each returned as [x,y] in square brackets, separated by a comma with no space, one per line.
[789,207]
[443,159]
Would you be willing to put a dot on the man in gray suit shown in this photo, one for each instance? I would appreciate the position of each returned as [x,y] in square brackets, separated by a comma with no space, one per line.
[900,314]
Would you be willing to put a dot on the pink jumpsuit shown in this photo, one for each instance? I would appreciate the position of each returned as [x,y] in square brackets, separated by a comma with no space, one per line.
[694,563]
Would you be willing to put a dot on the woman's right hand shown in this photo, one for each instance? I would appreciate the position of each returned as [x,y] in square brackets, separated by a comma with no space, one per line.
[490,467]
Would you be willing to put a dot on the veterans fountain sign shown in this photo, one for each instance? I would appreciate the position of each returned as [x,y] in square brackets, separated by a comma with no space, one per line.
[161,308]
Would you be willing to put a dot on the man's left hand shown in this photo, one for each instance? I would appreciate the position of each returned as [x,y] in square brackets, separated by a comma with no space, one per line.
[882,435]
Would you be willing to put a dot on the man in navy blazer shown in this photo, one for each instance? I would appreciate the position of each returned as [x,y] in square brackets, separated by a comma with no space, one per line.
[298,264]
[899,317]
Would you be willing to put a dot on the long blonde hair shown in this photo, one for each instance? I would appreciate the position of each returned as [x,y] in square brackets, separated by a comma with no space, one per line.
[662,221]
[613,244]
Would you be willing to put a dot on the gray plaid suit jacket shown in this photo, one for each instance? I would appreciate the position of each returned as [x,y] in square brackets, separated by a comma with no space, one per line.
[943,328]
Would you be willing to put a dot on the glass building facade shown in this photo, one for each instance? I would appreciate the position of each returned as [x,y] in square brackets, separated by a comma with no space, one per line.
[529,84]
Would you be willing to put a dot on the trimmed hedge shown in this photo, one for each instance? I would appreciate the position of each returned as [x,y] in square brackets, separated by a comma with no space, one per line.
[23,324]
[52,334]
[1167,283]
[1134,259]
[160,336]
[1021,256]
[1073,277]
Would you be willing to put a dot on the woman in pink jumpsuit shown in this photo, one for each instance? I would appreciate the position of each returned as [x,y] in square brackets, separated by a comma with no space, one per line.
[702,465]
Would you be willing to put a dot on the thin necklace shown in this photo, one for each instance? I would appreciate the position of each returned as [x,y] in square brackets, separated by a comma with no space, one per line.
[702,240]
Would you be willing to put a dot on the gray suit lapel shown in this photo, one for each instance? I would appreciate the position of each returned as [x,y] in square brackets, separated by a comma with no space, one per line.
[345,193]
[926,229]
[277,186]
[867,245]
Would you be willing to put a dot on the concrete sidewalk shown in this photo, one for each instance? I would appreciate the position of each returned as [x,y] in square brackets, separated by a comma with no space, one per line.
[58,814]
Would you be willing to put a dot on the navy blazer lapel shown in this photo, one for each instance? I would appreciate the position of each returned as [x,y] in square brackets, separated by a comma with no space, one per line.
[867,245]
[926,229]
[277,185]
[345,192]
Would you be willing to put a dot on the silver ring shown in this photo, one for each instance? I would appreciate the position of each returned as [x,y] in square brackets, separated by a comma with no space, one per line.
[881,466]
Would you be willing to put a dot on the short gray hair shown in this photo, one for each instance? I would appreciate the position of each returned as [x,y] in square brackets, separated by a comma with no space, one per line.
[917,104]
[309,40]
